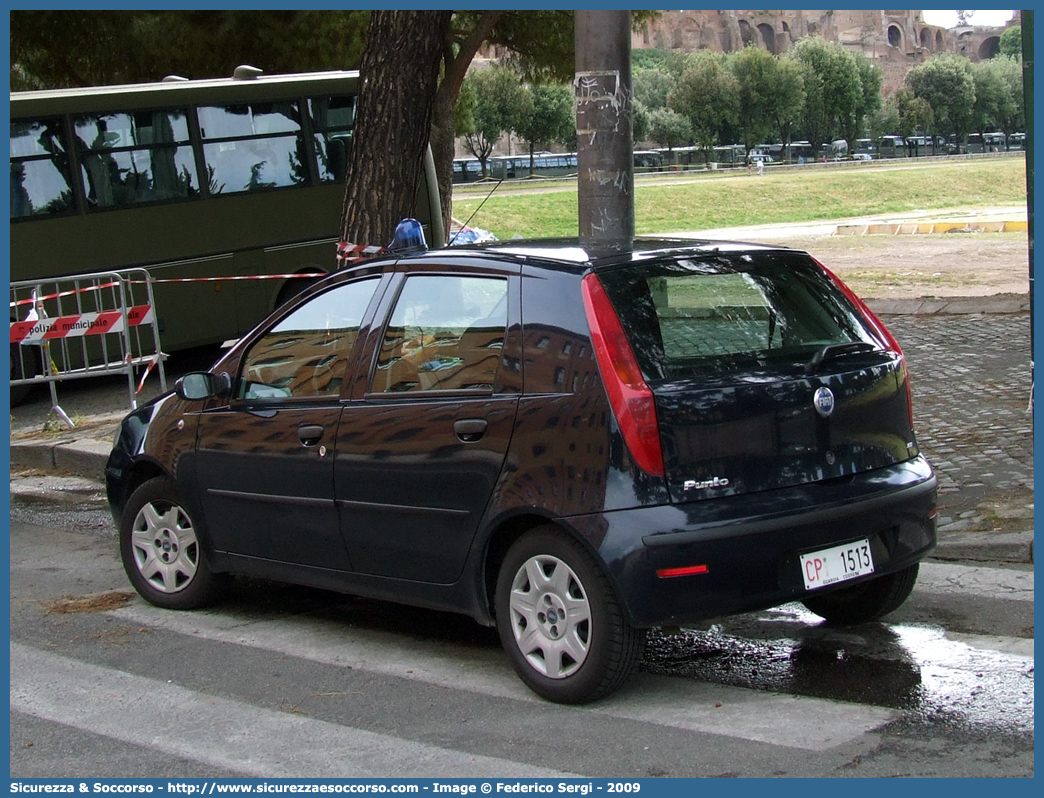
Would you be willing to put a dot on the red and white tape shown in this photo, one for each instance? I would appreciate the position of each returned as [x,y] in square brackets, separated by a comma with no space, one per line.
[60,294]
[347,253]
[41,330]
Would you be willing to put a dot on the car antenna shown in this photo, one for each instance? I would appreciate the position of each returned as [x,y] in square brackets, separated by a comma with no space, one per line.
[479,208]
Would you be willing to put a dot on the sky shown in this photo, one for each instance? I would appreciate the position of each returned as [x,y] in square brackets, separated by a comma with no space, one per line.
[948,19]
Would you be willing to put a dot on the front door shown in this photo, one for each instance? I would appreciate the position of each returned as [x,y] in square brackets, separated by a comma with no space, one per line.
[266,460]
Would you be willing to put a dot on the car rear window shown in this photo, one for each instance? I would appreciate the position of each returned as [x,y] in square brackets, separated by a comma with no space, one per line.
[688,316]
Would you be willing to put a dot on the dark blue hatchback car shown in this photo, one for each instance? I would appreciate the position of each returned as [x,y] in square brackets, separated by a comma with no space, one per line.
[573,448]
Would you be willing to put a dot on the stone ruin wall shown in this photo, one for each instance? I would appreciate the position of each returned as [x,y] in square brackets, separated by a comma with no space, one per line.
[896,41]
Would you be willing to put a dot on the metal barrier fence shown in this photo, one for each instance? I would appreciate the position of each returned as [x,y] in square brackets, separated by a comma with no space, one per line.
[84,325]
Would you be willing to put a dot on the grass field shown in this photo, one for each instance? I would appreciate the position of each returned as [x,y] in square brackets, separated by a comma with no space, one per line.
[701,201]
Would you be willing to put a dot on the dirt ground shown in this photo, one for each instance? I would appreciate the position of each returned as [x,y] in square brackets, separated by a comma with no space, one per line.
[962,263]
[918,266]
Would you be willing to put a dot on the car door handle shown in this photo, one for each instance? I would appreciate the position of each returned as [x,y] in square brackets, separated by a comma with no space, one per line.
[310,434]
[470,430]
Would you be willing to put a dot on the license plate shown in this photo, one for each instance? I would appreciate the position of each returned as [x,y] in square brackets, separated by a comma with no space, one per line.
[837,564]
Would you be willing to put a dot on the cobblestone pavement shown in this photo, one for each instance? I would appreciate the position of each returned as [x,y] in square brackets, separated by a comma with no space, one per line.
[971,383]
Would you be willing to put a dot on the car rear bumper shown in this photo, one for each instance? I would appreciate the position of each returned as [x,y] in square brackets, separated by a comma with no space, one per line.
[743,553]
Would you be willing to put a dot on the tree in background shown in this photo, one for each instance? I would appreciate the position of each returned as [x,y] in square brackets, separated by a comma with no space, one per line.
[1011,42]
[755,72]
[545,116]
[707,95]
[639,123]
[497,94]
[945,82]
[789,93]
[652,86]
[669,129]
[400,65]
[833,91]
[60,49]
[1011,118]
[904,114]
[871,78]
[999,102]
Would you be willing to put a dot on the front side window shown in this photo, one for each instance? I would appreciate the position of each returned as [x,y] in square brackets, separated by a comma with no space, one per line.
[40,182]
[446,333]
[306,354]
[135,158]
[253,147]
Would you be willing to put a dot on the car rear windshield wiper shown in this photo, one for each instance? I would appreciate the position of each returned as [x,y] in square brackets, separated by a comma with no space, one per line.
[834,350]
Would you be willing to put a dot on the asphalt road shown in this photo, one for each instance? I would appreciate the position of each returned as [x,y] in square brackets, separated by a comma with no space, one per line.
[293,682]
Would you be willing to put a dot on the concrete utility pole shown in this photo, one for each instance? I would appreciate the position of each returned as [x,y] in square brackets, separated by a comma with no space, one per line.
[605,147]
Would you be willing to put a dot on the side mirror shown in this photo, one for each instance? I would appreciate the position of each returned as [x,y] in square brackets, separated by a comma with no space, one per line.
[203,385]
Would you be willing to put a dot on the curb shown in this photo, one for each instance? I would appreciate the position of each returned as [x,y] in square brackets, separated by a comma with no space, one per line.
[930,228]
[83,457]
[935,306]
[1012,547]
[86,457]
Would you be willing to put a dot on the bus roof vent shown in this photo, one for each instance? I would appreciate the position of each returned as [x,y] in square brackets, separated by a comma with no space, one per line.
[246,72]
[174,79]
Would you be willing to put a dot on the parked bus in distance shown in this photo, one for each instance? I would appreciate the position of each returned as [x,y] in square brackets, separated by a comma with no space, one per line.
[865,147]
[217,178]
[647,161]
[800,152]
[466,170]
[892,147]
[545,164]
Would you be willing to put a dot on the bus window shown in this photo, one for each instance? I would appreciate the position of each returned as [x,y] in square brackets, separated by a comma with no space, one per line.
[40,183]
[131,158]
[332,122]
[252,147]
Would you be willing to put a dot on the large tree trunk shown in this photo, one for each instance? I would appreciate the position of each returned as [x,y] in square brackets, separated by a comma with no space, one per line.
[399,79]
[457,57]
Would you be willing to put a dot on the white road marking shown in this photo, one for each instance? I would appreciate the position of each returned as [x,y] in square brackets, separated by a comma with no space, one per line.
[229,734]
[785,720]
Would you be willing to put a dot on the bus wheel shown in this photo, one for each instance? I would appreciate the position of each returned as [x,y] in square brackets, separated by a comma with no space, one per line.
[25,362]
[295,286]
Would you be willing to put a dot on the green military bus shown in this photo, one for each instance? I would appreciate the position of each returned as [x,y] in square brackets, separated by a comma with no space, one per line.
[231,177]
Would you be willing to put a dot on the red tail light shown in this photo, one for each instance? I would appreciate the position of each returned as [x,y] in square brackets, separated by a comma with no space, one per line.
[886,338]
[871,319]
[632,401]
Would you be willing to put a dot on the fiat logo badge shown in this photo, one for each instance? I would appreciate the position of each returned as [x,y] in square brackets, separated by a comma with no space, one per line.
[823,399]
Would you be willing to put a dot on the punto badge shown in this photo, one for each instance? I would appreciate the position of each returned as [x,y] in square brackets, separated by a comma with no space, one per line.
[824,401]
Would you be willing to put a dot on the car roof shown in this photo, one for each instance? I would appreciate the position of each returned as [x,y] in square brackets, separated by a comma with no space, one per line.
[570,252]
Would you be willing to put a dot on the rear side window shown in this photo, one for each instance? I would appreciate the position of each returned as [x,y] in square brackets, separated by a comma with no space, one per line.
[686,316]
[446,333]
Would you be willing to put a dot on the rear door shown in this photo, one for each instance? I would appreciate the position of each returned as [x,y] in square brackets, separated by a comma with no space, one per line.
[764,375]
[420,450]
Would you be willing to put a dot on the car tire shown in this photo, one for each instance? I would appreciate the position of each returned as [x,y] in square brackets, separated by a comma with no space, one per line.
[868,601]
[162,553]
[560,622]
